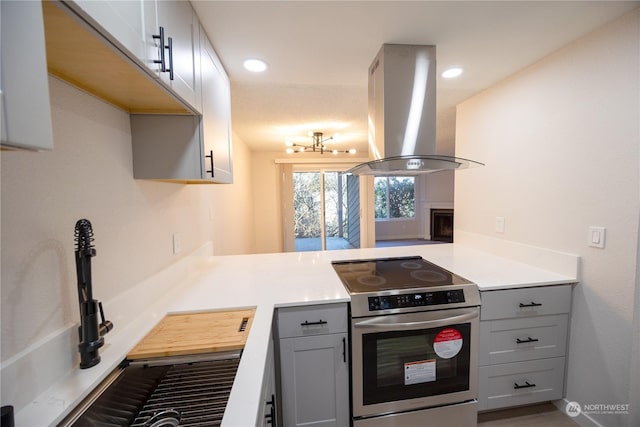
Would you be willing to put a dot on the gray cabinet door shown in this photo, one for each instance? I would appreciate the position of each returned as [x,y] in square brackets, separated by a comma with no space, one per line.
[216,115]
[315,385]
[267,410]
[181,24]
[122,20]
[25,112]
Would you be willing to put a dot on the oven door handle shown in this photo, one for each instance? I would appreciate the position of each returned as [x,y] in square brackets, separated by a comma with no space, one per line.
[384,322]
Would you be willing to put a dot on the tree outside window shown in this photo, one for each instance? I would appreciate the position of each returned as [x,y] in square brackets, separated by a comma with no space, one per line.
[394,197]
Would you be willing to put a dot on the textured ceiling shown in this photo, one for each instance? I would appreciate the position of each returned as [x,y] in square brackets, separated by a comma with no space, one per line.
[319,53]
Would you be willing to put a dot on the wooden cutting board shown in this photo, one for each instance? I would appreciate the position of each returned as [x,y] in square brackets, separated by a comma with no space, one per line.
[180,334]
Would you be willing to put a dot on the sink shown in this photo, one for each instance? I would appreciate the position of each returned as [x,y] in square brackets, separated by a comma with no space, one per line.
[192,390]
[181,372]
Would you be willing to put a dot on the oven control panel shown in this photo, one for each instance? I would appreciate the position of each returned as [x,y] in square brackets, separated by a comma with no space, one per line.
[418,299]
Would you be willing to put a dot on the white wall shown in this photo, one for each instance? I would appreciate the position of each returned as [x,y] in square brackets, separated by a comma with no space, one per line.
[89,175]
[267,199]
[561,144]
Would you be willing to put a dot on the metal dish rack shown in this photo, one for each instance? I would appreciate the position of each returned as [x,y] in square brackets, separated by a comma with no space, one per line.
[185,391]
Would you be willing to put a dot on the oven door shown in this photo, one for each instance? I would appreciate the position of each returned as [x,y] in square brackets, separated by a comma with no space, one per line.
[415,360]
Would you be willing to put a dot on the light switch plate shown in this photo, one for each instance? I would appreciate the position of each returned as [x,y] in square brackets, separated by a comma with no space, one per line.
[177,243]
[597,237]
[499,224]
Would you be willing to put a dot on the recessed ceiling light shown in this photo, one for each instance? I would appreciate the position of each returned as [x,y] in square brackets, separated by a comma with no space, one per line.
[255,65]
[451,73]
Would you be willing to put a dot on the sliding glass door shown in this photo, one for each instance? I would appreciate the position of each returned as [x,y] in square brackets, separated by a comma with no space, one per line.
[326,211]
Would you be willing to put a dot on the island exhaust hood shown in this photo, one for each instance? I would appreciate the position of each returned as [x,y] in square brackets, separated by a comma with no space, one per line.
[402,114]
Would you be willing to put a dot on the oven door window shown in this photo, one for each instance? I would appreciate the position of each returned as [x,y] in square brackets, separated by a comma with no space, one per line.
[401,365]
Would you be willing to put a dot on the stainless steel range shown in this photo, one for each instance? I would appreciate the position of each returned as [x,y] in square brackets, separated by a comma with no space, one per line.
[414,338]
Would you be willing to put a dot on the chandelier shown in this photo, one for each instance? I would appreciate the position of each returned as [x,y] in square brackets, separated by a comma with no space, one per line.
[317,145]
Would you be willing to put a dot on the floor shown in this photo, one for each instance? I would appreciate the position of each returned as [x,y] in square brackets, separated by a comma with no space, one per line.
[543,415]
[407,242]
[313,243]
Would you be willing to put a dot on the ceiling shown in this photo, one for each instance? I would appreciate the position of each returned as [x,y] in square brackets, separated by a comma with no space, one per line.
[319,53]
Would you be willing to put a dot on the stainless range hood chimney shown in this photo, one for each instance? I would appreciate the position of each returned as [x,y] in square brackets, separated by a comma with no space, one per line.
[402,114]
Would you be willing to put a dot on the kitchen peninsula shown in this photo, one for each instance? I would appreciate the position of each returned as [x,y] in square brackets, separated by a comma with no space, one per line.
[266,282]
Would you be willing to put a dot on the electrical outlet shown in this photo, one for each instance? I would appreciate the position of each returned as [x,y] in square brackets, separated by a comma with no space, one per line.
[177,243]
[499,224]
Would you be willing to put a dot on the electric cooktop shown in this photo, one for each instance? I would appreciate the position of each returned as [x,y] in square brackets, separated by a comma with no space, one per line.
[404,284]
[384,274]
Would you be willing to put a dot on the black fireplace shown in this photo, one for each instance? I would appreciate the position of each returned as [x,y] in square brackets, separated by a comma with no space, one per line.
[442,225]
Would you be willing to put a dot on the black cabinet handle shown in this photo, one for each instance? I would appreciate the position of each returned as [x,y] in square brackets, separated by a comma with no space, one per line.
[271,416]
[161,61]
[526,385]
[529,339]
[344,350]
[307,323]
[533,304]
[210,157]
[170,47]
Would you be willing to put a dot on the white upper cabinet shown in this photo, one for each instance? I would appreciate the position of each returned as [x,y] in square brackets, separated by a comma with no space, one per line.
[189,149]
[172,46]
[122,19]
[161,35]
[216,114]
[25,112]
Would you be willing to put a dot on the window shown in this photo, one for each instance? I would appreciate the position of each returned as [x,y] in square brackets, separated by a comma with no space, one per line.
[394,197]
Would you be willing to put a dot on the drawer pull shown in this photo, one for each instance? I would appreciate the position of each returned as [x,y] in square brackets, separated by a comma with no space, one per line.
[526,385]
[529,339]
[307,323]
[533,304]
[344,350]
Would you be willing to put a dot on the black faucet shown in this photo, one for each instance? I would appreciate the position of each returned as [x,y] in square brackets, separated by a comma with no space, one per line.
[90,332]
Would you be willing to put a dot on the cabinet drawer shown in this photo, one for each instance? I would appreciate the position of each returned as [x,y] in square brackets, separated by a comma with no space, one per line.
[520,383]
[525,302]
[312,320]
[516,340]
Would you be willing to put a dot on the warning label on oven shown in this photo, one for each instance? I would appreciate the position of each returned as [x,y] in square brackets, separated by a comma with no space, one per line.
[447,343]
[418,372]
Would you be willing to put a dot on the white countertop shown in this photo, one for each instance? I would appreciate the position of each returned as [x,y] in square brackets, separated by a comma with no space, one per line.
[275,280]
[268,281]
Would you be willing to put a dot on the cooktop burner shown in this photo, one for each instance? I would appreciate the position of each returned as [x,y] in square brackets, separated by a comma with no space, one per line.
[384,274]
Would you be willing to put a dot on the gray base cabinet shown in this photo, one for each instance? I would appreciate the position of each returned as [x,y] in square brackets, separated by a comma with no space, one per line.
[314,372]
[267,411]
[523,342]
